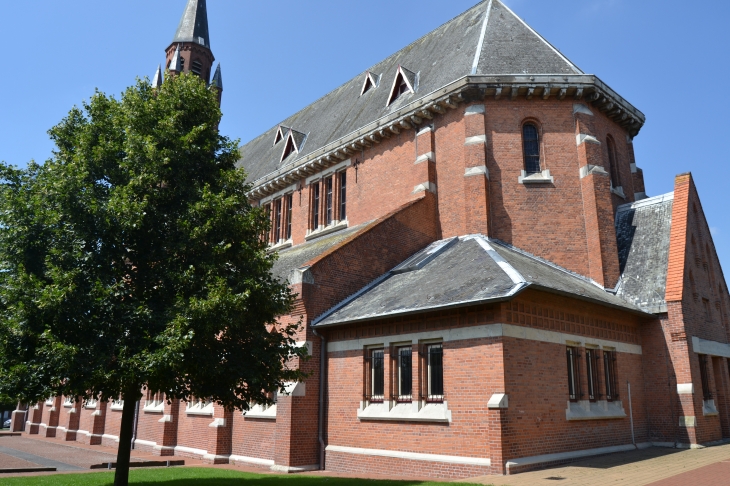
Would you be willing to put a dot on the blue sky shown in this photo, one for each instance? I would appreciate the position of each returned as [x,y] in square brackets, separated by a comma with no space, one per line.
[666,57]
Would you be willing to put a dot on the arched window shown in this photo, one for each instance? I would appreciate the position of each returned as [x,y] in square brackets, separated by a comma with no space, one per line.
[613,163]
[531,148]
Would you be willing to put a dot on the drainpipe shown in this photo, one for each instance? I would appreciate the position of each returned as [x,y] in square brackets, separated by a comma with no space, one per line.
[136,421]
[322,375]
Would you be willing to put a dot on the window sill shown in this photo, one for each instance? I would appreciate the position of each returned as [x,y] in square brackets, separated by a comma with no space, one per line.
[153,407]
[600,410]
[405,412]
[261,412]
[709,408]
[200,410]
[282,245]
[335,226]
[543,177]
[117,405]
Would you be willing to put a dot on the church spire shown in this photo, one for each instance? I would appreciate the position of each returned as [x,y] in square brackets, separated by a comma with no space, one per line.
[157,80]
[176,63]
[194,24]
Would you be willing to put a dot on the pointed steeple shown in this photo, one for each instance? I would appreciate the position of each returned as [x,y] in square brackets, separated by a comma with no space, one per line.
[194,24]
[217,81]
[176,61]
[157,80]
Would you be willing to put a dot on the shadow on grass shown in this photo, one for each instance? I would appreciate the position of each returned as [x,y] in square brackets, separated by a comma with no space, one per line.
[189,476]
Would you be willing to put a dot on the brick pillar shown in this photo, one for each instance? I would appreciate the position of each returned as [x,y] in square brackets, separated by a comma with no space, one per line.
[722,397]
[53,416]
[169,421]
[424,168]
[220,436]
[98,423]
[17,418]
[35,414]
[476,174]
[498,419]
[603,264]
[74,418]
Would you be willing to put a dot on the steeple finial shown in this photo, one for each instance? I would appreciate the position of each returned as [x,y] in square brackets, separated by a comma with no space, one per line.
[176,61]
[217,81]
[194,24]
[157,80]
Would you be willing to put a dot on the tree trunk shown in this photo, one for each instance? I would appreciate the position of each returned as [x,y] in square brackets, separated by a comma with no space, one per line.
[121,476]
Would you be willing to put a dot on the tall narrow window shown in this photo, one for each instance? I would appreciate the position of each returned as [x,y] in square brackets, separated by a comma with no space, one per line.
[289,205]
[315,205]
[573,375]
[706,392]
[435,373]
[592,373]
[375,369]
[343,196]
[531,148]
[277,220]
[196,68]
[328,201]
[405,374]
[613,163]
[609,367]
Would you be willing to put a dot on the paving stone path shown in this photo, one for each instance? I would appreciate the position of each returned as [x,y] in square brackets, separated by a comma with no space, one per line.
[655,466]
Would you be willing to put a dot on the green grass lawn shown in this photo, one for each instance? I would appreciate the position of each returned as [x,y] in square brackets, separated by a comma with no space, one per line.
[183,476]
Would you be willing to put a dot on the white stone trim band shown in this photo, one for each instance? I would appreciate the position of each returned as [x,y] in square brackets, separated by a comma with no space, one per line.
[476,171]
[713,348]
[413,456]
[478,139]
[479,332]
[428,156]
[563,456]
[251,460]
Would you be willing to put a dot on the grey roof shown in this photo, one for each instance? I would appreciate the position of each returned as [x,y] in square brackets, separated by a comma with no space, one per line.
[464,271]
[441,57]
[642,233]
[217,78]
[194,24]
[296,257]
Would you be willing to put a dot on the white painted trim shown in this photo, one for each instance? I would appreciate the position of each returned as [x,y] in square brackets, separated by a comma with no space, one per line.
[277,195]
[592,169]
[498,400]
[476,140]
[425,186]
[110,437]
[190,450]
[477,171]
[480,332]
[511,272]
[480,43]
[562,456]
[685,388]
[633,168]
[328,171]
[585,138]
[294,469]
[474,110]
[575,68]
[712,348]
[413,456]
[143,442]
[543,177]
[251,460]
[430,156]
[325,230]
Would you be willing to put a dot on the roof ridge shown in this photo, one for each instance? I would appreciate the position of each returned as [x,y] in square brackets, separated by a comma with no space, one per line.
[555,49]
[646,202]
[546,262]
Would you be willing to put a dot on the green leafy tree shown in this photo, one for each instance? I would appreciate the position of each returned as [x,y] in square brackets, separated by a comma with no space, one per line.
[132,258]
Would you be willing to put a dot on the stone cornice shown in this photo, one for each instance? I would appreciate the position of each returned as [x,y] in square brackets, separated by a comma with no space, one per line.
[584,87]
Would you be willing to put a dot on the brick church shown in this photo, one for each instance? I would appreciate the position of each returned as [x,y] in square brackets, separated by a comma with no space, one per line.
[485,286]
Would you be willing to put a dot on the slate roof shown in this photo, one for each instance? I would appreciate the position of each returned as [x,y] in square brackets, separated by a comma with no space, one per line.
[296,257]
[642,233]
[488,39]
[194,24]
[463,271]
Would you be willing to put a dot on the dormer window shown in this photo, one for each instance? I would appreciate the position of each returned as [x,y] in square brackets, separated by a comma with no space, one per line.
[197,68]
[281,132]
[405,82]
[294,143]
[372,81]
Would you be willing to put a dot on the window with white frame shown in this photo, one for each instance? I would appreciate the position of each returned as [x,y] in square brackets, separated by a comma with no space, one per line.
[69,401]
[90,403]
[200,406]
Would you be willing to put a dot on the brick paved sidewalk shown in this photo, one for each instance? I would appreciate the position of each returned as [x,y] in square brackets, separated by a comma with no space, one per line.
[656,466]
